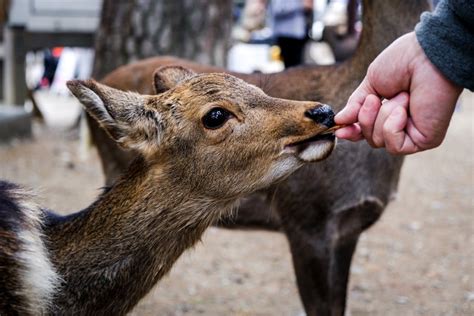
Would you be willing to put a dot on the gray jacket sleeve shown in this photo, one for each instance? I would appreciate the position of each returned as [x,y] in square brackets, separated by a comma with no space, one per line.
[447,38]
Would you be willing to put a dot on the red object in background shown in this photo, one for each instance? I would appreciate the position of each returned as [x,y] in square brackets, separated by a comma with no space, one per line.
[44,83]
[56,51]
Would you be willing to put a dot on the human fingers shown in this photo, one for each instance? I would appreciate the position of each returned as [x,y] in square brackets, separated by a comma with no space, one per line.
[368,114]
[400,100]
[386,76]
[397,140]
[350,112]
[351,132]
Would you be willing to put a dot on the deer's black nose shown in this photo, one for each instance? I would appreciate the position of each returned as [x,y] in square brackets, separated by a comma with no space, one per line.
[322,115]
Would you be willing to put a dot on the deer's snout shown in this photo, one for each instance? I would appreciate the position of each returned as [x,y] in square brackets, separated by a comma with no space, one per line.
[322,115]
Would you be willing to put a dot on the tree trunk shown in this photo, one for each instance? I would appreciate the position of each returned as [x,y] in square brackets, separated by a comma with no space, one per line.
[135,29]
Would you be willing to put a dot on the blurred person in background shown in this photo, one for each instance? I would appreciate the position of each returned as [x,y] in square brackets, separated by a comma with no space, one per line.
[253,18]
[254,15]
[51,60]
[291,20]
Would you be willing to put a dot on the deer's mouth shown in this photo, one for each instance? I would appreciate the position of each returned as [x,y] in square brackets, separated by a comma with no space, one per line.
[314,148]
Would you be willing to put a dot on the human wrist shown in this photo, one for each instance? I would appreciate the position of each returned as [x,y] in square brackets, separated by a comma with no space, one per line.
[448,44]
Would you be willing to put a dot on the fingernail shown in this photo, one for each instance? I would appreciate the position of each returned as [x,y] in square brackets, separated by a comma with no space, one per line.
[337,118]
[339,113]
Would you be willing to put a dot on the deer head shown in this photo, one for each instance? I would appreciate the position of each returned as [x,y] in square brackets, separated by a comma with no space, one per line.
[217,134]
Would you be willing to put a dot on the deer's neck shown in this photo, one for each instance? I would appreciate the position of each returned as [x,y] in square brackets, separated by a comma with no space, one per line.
[112,253]
[383,22]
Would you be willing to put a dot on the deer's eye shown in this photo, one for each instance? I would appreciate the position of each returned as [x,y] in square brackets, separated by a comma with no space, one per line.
[215,118]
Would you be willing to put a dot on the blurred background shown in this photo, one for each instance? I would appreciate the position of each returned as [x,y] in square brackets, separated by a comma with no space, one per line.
[417,260]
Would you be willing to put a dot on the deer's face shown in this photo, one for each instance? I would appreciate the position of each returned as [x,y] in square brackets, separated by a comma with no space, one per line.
[214,133]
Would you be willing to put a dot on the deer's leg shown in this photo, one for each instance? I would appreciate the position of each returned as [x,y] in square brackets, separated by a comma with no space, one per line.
[322,257]
[322,272]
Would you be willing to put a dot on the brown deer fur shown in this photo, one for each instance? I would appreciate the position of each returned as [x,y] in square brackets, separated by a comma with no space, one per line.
[322,208]
[105,258]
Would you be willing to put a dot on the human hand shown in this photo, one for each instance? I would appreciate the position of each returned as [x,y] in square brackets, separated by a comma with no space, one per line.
[419,101]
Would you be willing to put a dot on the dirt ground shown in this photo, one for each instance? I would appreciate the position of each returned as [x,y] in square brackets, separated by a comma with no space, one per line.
[417,260]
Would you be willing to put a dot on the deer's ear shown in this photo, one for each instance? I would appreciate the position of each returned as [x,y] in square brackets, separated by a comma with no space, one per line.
[167,77]
[122,115]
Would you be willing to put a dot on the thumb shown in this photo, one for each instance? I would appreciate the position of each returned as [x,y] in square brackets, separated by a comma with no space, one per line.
[350,112]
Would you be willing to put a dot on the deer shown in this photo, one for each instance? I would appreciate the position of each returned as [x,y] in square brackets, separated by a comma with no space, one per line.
[322,208]
[204,142]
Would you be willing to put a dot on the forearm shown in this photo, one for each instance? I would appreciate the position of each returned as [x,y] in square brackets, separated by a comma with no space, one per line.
[447,38]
